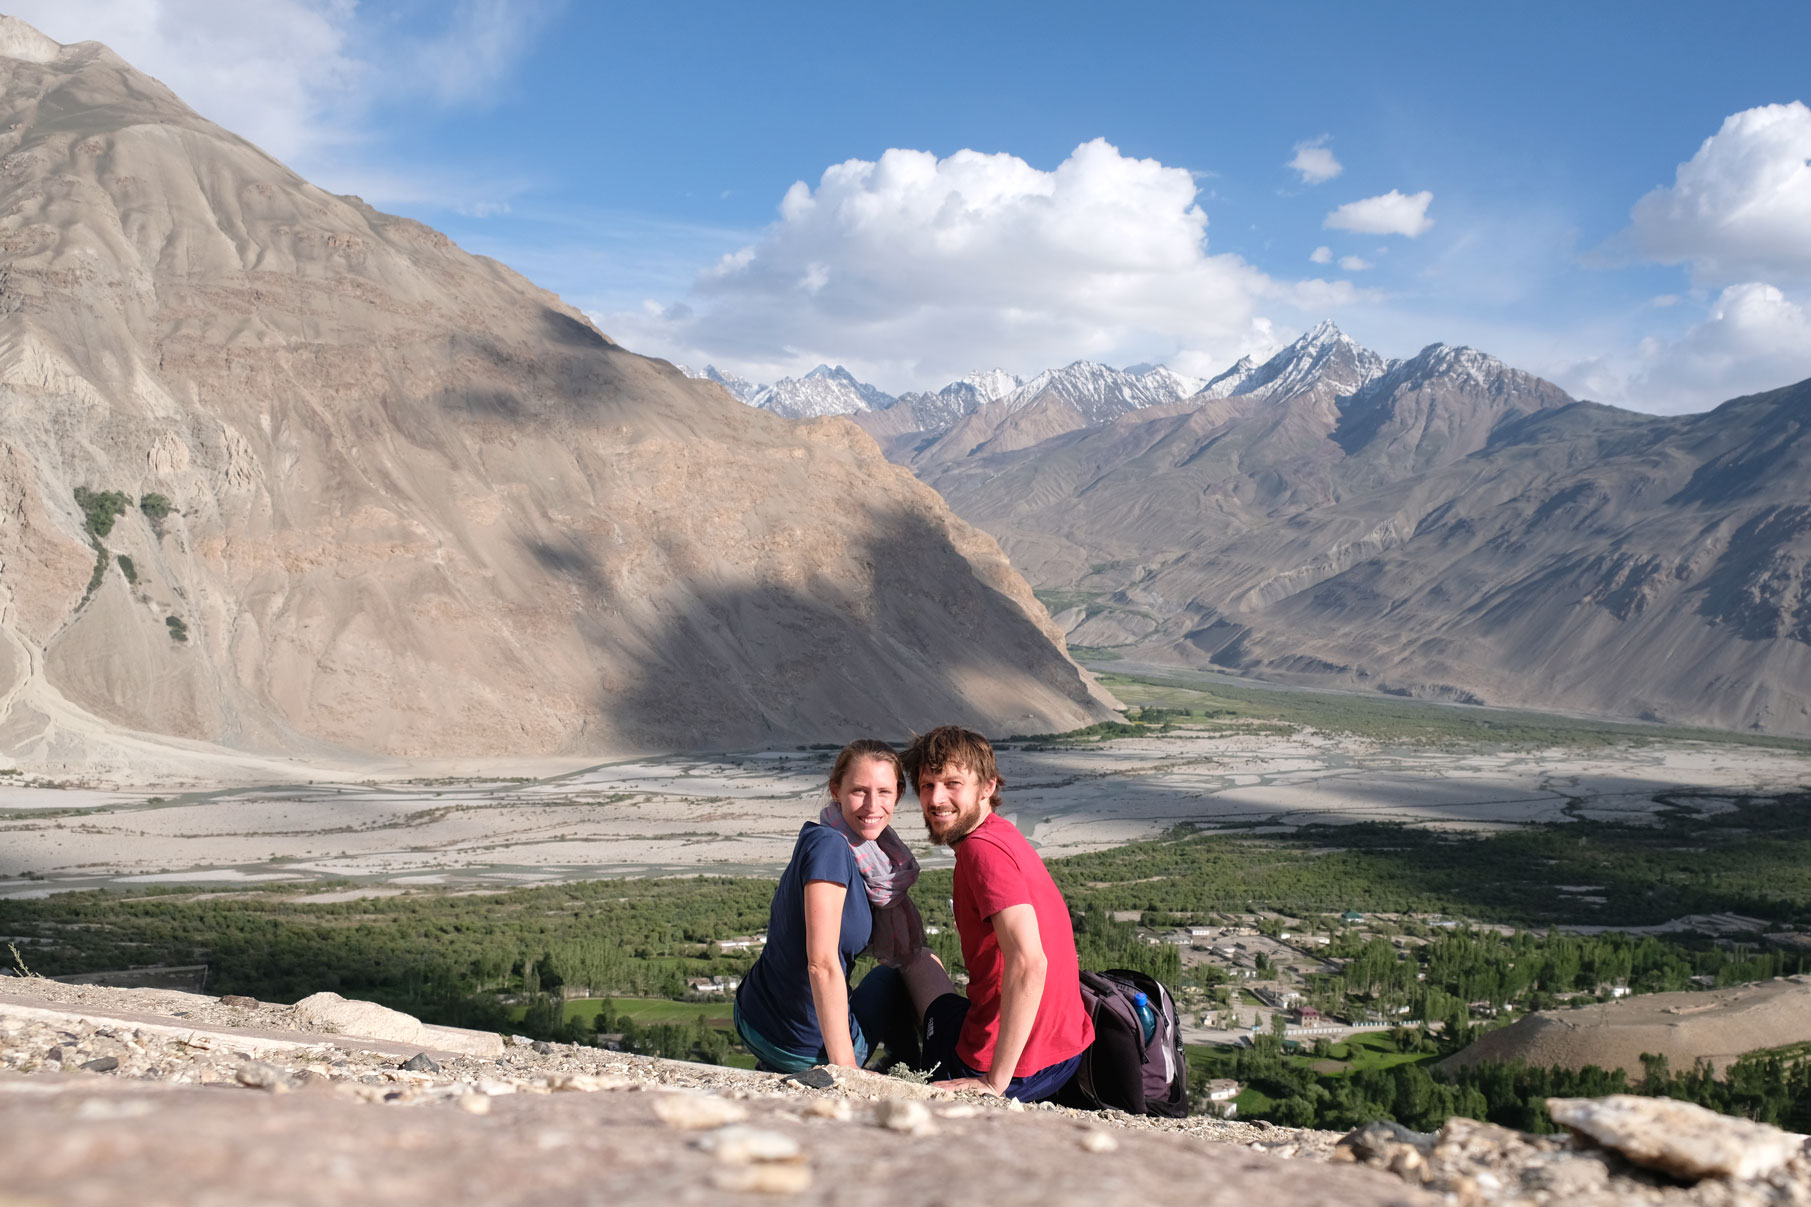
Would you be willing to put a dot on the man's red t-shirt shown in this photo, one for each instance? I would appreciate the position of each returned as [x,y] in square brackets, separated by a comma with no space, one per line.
[995,868]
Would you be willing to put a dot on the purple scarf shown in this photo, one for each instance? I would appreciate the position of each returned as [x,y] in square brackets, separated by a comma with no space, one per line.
[888,871]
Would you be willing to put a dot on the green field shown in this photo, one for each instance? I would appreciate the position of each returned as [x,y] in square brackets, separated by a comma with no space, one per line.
[1395,719]
[650,1010]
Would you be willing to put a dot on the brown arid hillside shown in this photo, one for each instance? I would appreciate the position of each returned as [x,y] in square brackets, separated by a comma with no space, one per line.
[418,506]
[1714,1027]
[1452,528]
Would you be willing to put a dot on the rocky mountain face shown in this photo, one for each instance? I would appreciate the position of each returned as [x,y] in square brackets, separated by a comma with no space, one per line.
[344,487]
[1446,526]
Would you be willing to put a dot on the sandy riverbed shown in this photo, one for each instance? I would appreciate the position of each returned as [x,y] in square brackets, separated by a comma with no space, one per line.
[739,813]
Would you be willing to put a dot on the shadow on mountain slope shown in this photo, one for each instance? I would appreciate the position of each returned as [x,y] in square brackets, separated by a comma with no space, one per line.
[889,638]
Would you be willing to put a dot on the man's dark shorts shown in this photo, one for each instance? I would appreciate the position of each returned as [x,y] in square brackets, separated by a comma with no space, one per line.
[942,1026]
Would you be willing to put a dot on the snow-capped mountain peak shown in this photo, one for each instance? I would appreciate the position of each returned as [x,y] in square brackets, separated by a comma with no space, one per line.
[1101,393]
[823,391]
[740,388]
[1324,359]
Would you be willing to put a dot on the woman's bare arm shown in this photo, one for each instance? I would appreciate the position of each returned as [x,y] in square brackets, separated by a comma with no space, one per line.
[824,967]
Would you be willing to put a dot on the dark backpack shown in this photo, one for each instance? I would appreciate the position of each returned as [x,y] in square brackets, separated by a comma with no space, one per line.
[1120,1070]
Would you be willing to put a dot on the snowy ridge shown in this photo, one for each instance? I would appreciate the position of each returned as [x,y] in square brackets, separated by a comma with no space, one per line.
[1456,366]
[943,409]
[1100,393]
[1325,356]
[740,388]
[823,391]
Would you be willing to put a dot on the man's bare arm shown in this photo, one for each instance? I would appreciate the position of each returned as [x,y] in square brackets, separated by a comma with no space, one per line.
[1021,991]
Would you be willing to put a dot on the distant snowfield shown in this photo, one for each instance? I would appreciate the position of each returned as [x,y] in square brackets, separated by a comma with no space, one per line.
[738,814]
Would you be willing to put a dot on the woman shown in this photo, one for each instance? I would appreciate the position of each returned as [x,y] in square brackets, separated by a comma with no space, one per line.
[844,889]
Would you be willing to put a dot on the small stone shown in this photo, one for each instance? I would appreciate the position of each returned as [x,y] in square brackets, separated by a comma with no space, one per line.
[260,1076]
[421,1062]
[767,1178]
[1677,1138]
[697,1111]
[817,1078]
[473,1104]
[905,1115]
[104,1064]
[1099,1142]
[235,999]
[739,1145]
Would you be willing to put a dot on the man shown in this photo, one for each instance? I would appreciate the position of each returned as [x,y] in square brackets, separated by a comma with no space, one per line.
[1022,1029]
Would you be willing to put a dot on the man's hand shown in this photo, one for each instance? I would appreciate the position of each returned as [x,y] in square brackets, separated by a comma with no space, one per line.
[975,1084]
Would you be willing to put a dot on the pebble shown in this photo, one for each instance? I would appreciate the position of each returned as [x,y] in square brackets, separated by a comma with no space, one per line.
[260,1076]
[1099,1142]
[697,1111]
[739,1145]
[912,1118]
[585,1083]
[767,1178]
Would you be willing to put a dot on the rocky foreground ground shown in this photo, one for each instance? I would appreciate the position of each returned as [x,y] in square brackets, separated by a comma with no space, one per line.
[144,1096]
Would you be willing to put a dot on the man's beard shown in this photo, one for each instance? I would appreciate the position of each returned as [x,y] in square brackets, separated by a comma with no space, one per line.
[954,829]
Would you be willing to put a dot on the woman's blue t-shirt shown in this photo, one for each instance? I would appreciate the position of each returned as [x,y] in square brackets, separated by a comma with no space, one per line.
[776,994]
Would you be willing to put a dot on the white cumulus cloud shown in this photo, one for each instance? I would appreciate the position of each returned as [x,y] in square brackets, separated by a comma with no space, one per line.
[1740,209]
[913,270]
[1392,213]
[1753,337]
[1314,162]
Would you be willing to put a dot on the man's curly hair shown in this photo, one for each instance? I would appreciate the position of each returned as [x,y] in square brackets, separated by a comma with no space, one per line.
[953,746]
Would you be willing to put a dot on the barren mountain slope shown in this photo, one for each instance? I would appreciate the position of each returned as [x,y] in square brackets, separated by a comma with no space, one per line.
[1454,529]
[421,507]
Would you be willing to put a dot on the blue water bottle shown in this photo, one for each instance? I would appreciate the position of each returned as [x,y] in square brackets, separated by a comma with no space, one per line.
[1147,1017]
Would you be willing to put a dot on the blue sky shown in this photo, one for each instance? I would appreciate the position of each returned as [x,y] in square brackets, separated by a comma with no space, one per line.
[1023,185]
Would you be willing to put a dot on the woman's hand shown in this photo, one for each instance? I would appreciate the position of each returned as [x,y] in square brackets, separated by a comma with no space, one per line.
[824,966]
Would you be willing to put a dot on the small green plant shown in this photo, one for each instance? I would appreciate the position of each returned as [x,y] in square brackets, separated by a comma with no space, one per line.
[20,961]
[128,569]
[100,508]
[157,509]
[100,571]
[178,630]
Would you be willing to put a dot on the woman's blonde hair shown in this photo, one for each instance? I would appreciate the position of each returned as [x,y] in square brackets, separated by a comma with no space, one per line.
[867,748]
